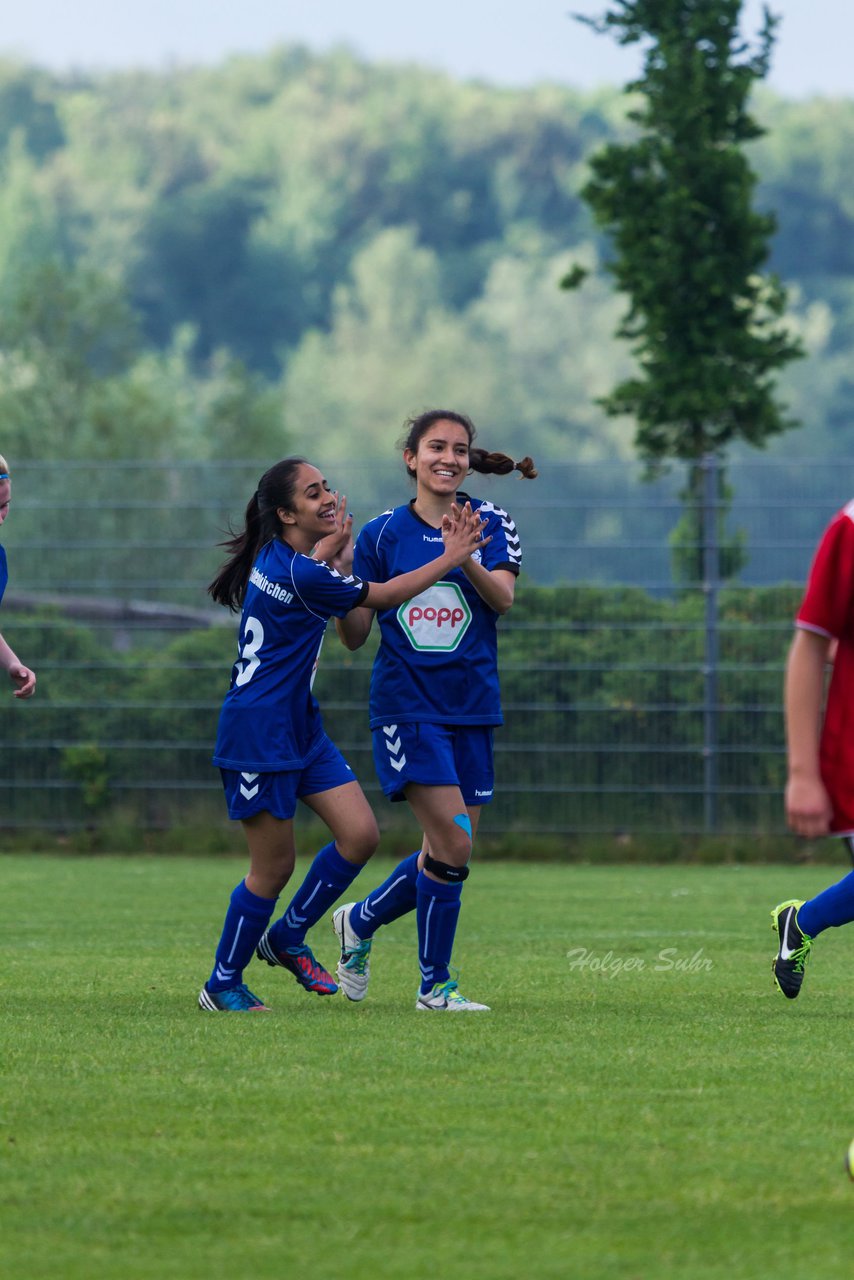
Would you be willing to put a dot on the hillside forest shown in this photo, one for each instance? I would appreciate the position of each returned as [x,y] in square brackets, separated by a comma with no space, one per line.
[297,251]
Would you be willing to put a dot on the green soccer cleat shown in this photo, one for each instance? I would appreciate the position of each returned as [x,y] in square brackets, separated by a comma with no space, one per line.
[790,961]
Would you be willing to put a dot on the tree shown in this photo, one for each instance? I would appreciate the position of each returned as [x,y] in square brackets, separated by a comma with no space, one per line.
[76,381]
[706,324]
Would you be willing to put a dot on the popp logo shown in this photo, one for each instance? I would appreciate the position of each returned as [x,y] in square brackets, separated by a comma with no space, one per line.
[437,619]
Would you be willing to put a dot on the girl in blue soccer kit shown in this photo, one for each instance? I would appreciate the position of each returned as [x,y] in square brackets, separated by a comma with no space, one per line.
[22,677]
[434,698]
[271,747]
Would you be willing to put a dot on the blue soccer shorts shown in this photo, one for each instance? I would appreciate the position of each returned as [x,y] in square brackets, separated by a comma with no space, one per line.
[435,755]
[277,793]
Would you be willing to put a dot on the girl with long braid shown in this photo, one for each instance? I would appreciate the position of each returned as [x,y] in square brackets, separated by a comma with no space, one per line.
[435,699]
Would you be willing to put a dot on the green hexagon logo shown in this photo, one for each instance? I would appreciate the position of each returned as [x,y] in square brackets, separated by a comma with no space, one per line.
[437,619]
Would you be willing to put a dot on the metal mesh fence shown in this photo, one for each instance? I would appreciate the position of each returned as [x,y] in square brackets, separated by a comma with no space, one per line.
[630,706]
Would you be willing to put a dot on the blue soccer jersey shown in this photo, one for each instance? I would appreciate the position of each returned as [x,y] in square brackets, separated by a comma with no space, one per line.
[438,657]
[270,720]
[4,572]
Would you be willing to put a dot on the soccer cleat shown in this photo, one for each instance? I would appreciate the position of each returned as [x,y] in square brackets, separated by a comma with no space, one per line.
[446,998]
[354,967]
[789,963]
[301,963]
[237,999]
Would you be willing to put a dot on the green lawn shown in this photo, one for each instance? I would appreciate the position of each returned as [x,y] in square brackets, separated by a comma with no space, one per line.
[637,1116]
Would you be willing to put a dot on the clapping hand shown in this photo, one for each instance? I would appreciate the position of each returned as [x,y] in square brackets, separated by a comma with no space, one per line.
[336,549]
[462,532]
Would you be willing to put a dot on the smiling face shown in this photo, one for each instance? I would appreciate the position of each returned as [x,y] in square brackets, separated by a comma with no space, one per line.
[312,514]
[5,498]
[441,458]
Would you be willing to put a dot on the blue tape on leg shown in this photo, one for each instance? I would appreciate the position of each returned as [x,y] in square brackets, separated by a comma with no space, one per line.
[464,821]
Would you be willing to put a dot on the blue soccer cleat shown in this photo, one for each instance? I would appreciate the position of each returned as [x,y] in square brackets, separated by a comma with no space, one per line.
[237,999]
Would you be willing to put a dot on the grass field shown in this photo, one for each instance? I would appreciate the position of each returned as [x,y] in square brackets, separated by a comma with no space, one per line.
[641,1103]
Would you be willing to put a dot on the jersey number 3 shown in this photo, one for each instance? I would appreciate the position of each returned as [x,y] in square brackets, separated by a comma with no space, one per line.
[253,638]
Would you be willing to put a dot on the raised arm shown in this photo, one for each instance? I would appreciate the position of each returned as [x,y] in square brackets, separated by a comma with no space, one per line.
[336,549]
[496,587]
[463,535]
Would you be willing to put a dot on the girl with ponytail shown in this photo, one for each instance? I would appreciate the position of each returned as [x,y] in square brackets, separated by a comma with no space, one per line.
[271,747]
[435,699]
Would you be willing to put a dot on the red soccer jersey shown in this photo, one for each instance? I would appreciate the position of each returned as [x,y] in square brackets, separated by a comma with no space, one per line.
[828,608]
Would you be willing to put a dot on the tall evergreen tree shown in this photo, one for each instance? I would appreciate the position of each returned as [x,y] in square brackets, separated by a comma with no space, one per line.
[689,249]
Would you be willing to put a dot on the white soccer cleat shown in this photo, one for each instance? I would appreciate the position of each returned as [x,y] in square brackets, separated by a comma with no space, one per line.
[354,967]
[446,998]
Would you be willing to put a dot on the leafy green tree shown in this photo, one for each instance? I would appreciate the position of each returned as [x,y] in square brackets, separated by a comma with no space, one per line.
[234,206]
[62,333]
[706,325]
[27,105]
[30,230]
[526,372]
[76,381]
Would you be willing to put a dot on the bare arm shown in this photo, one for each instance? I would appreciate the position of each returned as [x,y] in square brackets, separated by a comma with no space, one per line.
[336,550]
[496,587]
[461,536]
[808,807]
[22,677]
[353,629]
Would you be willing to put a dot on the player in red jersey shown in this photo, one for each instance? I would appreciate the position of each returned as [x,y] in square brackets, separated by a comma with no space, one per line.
[820,785]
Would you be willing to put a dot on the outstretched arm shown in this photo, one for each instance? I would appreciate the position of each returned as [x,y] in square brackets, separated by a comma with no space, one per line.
[496,587]
[461,534]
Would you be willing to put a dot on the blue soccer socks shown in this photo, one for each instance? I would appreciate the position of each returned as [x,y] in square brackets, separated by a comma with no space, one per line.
[437,912]
[328,877]
[395,897]
[828,909]
[245,921]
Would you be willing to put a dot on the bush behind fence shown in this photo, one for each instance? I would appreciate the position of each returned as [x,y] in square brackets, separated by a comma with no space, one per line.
[605,683]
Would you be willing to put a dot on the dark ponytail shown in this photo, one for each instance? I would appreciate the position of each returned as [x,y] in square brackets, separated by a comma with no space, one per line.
[500,464]
[260,524]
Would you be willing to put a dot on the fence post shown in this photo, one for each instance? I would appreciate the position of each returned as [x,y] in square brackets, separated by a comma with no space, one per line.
[711,583]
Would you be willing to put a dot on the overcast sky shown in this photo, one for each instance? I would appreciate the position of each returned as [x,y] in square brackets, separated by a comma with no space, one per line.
[514,42]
